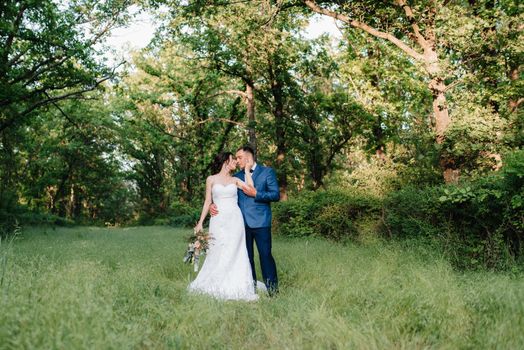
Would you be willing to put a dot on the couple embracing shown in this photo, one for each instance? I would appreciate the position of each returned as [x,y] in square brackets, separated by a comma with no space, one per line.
[240,216]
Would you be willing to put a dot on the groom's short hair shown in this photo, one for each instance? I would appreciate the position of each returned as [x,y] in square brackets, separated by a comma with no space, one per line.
[247,148]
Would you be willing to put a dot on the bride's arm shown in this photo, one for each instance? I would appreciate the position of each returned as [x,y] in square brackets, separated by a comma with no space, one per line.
[241,184]
[249,179]
[205,207]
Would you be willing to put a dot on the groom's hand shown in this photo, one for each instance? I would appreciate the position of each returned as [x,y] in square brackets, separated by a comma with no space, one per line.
[213,210]
[250,191]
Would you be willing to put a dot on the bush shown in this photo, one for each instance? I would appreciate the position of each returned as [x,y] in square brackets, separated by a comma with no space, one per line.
[21,216]
[331,214]
[479,223]
[9,209]
[8,224]
[513,185]
[13,215]
[412,212]
[370,175]
[36,218]
[177,215]
[294,217]
[182,214]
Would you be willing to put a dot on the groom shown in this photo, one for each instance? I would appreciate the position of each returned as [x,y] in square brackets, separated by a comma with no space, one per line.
[255,206]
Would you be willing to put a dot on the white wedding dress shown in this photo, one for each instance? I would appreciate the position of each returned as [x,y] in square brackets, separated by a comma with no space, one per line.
[226,272]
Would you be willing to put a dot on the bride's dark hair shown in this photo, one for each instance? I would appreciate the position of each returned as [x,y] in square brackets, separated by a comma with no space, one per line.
[219,160]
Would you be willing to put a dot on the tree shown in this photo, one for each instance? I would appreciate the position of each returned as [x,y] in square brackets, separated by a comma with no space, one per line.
[411,29]
[67,164]
[172,122]
[48,52]
[325,117]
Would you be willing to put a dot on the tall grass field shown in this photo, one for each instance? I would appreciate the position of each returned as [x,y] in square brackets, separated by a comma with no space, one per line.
[125,288]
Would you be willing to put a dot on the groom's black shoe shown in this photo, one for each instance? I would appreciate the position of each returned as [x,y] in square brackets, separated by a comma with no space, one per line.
[272,292]
[272,289]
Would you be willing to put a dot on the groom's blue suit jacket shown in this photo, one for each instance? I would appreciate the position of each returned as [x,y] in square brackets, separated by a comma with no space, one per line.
[257,211]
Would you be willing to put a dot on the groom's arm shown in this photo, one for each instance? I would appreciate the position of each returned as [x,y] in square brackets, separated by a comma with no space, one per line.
[273,191]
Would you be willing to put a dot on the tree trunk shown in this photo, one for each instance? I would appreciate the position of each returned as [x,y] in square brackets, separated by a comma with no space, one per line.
[71,203]
[438,90]
[77,208]
[280,129]
[513,75]
[59,204]
[317,168]
[250,96]
[234,116]
[8,193]
[378,132]
[440,109]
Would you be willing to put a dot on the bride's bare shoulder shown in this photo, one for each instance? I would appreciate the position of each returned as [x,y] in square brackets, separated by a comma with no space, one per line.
[210,179]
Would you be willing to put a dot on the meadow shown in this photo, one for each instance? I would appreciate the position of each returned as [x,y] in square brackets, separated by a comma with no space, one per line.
[125,288]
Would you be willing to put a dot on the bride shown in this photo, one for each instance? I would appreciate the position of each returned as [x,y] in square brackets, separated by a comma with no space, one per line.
[226,272]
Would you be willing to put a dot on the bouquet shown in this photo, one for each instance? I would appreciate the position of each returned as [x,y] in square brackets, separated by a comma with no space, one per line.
[197,247]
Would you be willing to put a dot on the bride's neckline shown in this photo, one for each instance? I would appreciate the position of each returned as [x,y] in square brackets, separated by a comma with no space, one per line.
[231,183]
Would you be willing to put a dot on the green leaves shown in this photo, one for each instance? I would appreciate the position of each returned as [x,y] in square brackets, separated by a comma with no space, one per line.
[49,53]
[457,195]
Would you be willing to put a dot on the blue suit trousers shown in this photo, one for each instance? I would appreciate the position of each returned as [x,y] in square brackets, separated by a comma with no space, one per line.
[262,237]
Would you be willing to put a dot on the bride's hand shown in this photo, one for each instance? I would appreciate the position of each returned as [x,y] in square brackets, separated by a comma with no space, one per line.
[249,190]
[198,228]
[213,209]
[249,165]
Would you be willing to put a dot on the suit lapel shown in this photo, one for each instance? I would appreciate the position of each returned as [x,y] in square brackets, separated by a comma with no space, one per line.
[241,175]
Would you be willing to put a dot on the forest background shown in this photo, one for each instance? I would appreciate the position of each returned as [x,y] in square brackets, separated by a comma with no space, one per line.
[407,126]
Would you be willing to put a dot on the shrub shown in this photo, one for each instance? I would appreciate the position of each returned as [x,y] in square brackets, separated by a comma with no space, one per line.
[513,185]
[294,217]
[479,223]
[8,223]
[332,214]
[374,176]
[9,209]
[182,214]
[412,212]
[19,215]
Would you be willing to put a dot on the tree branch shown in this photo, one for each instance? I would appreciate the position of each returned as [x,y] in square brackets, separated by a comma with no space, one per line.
[335,149]
[64,96]
[62,112]
[11,37]
[222,120]
[16,58]
[38,69]
[515,105]
[231,92]
[368,29]
[453,84]
[165,132]
[239,93]
[4,125]
[416,29]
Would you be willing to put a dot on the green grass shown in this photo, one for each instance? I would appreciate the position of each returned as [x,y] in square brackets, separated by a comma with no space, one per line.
[75,288]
